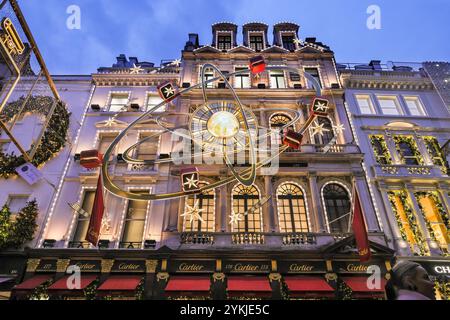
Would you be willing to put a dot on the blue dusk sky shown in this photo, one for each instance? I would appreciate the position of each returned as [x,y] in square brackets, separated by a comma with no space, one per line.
[411,30]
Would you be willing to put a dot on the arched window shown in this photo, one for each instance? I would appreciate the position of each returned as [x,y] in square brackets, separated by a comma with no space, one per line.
[244,198]
[277,121]
[328,133]
[337,206]
[204,203]
[292,209]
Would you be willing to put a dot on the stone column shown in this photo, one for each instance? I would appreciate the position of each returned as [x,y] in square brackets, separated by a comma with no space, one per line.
[269,205]
[173,207]
[423,150]
[392,148]
[222,209]
[342,118]
[317,209]
[366,202]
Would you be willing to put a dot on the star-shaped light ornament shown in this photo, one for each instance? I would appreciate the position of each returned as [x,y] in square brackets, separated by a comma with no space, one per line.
[319,129]
[191,182]
[320,106]
[110,122]
[176,62]
[136,69]
[339,128]
[297,42]
[169,91]
[235,218]
[193,213]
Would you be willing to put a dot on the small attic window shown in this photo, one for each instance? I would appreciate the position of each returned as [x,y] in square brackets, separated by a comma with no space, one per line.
[256,41]
[288,42]
[224,41]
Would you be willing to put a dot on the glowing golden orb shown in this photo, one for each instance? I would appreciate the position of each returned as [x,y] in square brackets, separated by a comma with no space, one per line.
[223,124]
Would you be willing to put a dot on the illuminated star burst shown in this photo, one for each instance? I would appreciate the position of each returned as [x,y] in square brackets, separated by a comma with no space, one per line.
[339,128]
[110,122]
[176,62]
[191,182]
[298,42]
[319,129]
[321,106]
[169,91]
[136,69]
[235,218]
[193,213]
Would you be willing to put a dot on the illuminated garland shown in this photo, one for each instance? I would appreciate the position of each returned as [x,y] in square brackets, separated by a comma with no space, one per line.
[433,147]
[343,291]
[53,140]
[412,143]
[416,232]
[41,292]
[384,149]
[90,292]
[444,289]
[140,290]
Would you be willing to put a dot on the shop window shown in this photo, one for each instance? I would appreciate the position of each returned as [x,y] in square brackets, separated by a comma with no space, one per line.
[277,80]
[118,102]
[134,224]
[242,80]
[292,209]
[337,207]
[415,106]
[257,42]
[389,106]
[436,154]
[153,101]
[314,72]
[380,149]
[407,222]
[205,203]
[277,121]
[436,218]
[408,151]
[245,198]
[82,223]
[365,104]
[224,42]
[328,133]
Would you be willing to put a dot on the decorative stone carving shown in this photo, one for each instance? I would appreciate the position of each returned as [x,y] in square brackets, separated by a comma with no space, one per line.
[107,265]
[151,265]
[32,264]
[331,276]
[218,276]
[164,276]
[61,265]
[275,277]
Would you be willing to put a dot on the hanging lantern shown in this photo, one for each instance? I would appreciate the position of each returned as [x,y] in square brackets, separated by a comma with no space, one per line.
[320,107]
[257,64]
[91,159]
[190,179]
[167,91]
[292,139]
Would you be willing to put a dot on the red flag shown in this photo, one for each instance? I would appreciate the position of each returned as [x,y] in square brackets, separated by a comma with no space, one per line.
[360,230]
[95,222]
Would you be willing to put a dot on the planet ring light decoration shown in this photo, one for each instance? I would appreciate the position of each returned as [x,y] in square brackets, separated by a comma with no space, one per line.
[222,122]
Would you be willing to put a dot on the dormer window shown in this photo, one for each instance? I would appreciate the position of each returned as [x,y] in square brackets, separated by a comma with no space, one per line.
[256,42]
[288,42]
[224,41]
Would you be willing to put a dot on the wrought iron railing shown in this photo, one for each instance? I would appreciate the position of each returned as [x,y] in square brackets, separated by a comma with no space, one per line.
[130,245]
[197,238]
[299,238]
[79,244]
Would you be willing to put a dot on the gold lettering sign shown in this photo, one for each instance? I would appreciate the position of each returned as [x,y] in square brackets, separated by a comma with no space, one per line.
[300,267]
[356,267]
[129,266]
[190,267]
[85,266]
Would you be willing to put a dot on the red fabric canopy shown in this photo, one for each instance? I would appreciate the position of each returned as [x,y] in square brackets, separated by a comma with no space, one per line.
[251,284]
[33,282]
[359,284]
[181,283]
[61,284]
[121,283]
[305,284]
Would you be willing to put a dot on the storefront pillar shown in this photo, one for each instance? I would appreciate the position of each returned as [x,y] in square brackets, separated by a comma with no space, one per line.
[364,194]
[218,286]
[275,284]
[150,277]
[223,201]
[317,208]
[269,205]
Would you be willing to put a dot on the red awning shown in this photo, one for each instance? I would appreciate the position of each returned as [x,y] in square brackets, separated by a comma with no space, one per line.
[61,284]
[305,284]
[182,283]
[249,284]
[359,284]
[33,282]
[121,283]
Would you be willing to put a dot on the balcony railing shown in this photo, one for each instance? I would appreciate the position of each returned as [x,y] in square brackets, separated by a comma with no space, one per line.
[79,244]
[335,148]
[130,245]
[299,238]
[197,238]
[247,238]
[406,170]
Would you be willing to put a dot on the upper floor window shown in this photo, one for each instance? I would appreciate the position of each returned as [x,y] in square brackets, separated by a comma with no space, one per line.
[134,224]
[277,80]
[148,150]
[292,209]
[153,101]
[244,199]
[204,203]
[277,121]
[17,202]
[257,42]
[337,207]
[389,105]
[224,42]
[314,72]
[242,80]
[414,105]
[105,142]
[365,104]
[380,149]
[82,224]
[288,42]
[408,151]
[118,102]
[209,74]
[327,132]
[437,156]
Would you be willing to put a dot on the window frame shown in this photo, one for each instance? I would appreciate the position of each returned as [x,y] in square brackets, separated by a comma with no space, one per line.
[241,76]
[292,213]
[368,98]
[151,94]
[77,219]
[117,93]
[220,34]
[256,34]
[126,220]
[308,83]
[400,111]
[322,193]
[419,105]
[246,197]
[17,196]
[211,199]
[277,74]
